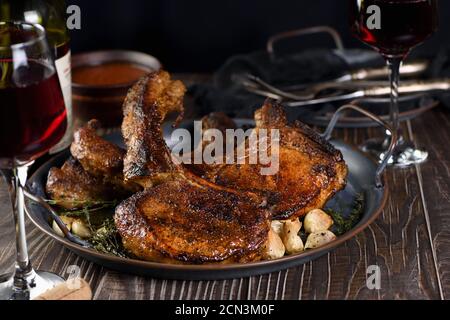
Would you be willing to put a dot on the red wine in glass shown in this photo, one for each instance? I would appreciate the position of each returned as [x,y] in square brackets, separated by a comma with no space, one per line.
[32,120]
[32,112]
[404,24]
[393,28]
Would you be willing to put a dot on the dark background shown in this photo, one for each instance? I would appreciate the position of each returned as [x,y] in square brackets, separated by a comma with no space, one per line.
[199,35]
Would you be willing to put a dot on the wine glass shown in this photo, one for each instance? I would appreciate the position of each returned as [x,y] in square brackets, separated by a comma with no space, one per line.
[393,28]
[32,120]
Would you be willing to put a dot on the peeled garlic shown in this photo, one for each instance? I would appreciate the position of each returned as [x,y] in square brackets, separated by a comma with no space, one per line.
[316,221]
[274,248]
[80,229]
[319,239]
[289,236]
[277,226]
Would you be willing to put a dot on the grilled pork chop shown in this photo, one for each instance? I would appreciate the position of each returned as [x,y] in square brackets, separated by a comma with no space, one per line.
[148,161]
[179,216]
[100,158]
[310,171]
[72,187]
[95,173]
[187,221]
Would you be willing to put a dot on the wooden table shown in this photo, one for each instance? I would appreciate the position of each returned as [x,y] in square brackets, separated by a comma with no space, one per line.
[410,242]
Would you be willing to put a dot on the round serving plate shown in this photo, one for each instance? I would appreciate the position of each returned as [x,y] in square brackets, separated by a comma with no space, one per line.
[361,181]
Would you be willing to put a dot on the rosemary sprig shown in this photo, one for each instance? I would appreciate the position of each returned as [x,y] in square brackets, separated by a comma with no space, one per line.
[343,224]
[105,237]
[107,240]
[83,203]
[85,211]
[88,207]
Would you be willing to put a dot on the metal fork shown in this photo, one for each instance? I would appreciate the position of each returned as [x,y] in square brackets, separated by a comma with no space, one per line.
[358,79]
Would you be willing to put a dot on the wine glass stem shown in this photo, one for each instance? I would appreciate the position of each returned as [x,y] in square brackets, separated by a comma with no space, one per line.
[24,273]
[394,64]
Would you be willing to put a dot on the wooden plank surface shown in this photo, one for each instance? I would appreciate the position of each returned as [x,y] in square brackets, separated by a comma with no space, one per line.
[410,243]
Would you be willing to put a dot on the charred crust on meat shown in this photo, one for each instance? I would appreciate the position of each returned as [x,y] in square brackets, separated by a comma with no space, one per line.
[146,106]
[192,223]
[311,170]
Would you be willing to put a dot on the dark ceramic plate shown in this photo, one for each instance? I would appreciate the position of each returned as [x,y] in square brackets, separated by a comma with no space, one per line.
[361,181]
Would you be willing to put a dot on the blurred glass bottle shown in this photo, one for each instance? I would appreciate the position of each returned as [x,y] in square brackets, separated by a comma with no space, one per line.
[51,14]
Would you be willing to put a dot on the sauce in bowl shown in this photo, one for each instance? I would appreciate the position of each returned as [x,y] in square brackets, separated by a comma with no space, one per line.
[101,80]
[107,74]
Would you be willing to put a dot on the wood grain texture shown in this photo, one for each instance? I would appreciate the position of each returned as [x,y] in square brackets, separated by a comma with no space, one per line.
[410,242]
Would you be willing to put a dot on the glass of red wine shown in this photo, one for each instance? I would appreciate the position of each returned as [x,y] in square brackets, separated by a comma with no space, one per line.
[393,28]
[32,120]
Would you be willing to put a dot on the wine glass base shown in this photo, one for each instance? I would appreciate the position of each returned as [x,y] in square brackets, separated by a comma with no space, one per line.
[405,154]
[43,281]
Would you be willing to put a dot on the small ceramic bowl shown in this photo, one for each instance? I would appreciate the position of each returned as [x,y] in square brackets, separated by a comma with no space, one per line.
[104,101]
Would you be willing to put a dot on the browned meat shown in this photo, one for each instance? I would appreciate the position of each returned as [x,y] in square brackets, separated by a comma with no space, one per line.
[94,174]
[148,160]
[221,219]
[215,120]
[219,121]
[310,172]
[180,216]
[100,158]
[191,222]
[308,165]
[72,187]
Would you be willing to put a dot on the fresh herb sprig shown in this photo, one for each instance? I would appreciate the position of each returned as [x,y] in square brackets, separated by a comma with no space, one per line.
[344,224]
[107,240]
[105,237]
[87,207]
